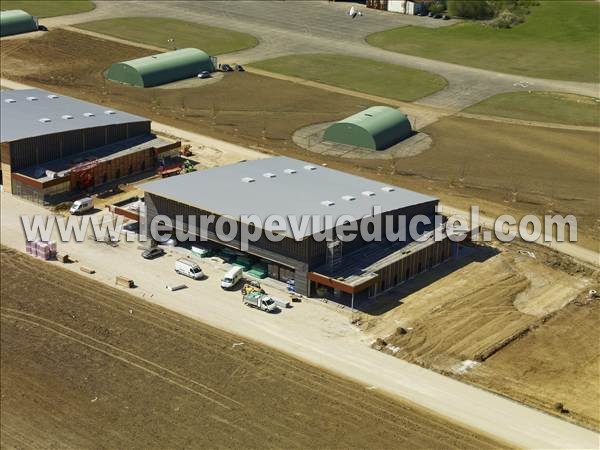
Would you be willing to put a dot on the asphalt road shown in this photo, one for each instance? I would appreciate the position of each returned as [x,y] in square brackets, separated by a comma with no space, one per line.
[322,27]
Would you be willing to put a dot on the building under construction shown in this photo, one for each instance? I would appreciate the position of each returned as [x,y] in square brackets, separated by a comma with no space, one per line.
[54,147]
[291,188]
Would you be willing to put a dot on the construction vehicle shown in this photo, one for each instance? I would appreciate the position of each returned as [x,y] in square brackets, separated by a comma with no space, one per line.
[260,301]
[252,287]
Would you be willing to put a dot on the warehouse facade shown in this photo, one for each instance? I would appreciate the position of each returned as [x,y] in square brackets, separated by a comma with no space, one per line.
[54,147]
[16,21]
[292,188]
[376,128]
[161,68]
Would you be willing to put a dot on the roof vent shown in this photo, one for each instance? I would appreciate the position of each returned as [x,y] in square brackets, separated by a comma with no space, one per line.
[269,175]
[67,117]
[248,180]
[89,114]
[388,189]
[45,120]
[290,171]
[327,203]
[310,168]
[10,100]
[368,193]
[32,99]
[348,198]
[109,112]
[53,96]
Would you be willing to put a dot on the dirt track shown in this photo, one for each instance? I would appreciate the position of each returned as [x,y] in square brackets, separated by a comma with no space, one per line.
[85,365]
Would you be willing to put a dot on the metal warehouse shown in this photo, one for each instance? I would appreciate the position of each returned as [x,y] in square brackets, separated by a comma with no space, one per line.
[376,128]
[16,21]
[161,68]
[294,189]
[54,146]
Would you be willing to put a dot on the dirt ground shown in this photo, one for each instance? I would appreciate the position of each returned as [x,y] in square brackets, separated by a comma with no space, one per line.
[497,318]
[504,168]
[86,365]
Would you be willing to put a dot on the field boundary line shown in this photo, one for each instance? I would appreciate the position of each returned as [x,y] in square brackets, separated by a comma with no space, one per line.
[31,318]
[108,37]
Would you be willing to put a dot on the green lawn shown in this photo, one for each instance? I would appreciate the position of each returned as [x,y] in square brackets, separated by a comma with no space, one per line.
[559,40]
[48,8]
[358,74]
[542,107]
[157,31]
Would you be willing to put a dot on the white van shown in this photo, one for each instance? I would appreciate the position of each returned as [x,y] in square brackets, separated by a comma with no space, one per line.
[82,205]
[231,278]
[188,268]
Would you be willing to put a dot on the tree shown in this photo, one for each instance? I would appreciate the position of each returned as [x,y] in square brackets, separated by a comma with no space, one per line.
[471,9]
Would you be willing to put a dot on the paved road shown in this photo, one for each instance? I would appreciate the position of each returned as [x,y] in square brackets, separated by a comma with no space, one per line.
[311,26]
[316,333]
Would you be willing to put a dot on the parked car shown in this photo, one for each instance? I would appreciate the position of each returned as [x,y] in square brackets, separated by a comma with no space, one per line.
[239,68]
[231,278]
[438,16]
[204,74]
[422,14]
[226,68]
[152,253]
[82,205]
[188,268]
[446,17]
[430,14]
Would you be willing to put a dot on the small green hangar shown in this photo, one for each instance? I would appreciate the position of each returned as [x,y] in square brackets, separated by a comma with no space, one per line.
[377,128]
[162,68]
[16,21]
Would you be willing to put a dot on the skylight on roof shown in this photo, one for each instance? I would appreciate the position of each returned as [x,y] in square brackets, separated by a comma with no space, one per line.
[348,198]
[53,96]
[269,175]
[32,99]
[290,171]
[67,117]
[310,168]
[368,193]
[45,120]
[248,180]
[109,112]
[327,203]
[388,189]
[10,100]
[88,114]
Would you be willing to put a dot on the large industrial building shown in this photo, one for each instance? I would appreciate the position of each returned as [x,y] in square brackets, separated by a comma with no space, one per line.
[376,128]
[16,21]
[292,188]
[161,68]
[54,147]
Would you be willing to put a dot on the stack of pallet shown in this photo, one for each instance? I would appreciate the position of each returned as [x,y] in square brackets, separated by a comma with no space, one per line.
[41,249]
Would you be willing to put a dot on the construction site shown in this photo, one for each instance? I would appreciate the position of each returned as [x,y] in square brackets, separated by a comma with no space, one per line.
[445,340]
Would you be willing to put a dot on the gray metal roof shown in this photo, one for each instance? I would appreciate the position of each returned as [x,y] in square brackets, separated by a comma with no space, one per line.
[283,186]
[24,113]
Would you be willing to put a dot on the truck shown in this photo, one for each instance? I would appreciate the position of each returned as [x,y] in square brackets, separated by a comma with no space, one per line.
[260,301]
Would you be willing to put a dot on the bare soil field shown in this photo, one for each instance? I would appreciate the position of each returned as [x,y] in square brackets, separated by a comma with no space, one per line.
[88,366]
[504,168]
[506,321]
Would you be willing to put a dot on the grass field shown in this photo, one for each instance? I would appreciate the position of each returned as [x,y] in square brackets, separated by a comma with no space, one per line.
[358,74]
[49,8]
[559,40]
[157,31]
[85,365]
[542,107]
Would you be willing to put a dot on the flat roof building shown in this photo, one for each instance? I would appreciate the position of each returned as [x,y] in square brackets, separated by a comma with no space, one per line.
[161,68]
[53,145]
[376,128]
[298,191]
